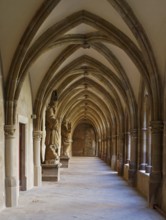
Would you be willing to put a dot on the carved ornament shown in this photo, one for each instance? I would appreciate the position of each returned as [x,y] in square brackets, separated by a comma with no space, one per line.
[10,130]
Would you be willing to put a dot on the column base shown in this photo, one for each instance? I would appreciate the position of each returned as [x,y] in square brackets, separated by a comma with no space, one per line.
[148,169]
[11,192]
[155,196]
[50,172]
[142,166]
[64,160]
[37,176]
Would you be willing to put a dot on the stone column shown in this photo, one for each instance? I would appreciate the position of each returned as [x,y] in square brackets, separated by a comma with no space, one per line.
[164,170]
[37,161]
[149,163]
[114,152]
[127,147]
[59,148]
[99,148]
[156,159]
[133,158]
[108,150]
[105,149]
[121,153]
[11,182]
[143,149]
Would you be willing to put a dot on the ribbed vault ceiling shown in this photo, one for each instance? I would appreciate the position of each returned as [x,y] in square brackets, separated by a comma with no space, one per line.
[94,53]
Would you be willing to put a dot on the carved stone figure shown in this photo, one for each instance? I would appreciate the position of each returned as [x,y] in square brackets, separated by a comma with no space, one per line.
[52,134]
[66,137]
[52,155]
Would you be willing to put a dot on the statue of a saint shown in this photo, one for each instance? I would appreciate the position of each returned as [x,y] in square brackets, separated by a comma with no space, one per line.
[66,139]
[52,134]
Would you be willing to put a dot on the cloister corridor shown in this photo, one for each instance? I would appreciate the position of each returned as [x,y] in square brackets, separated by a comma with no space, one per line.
[88,190]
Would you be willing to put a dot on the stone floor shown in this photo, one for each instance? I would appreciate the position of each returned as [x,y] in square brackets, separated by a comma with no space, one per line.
[88,190]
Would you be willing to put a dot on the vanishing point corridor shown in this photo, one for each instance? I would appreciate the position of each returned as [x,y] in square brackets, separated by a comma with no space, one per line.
[88,190]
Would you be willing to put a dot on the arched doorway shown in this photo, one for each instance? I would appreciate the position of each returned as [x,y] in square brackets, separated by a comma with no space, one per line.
[84,141]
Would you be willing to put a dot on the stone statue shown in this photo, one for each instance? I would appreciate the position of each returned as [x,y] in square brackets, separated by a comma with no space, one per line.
[52,134]
[66,137]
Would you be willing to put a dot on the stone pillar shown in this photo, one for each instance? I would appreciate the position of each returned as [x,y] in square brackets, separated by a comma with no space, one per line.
[127,147]
[60,141]
[114,152]
[143,149]
[99,148]
[37,161]
[108,150]
[149,162]
[105,149]
[133,158]
[11,182]
[164,170]
[121,153]
[156,159]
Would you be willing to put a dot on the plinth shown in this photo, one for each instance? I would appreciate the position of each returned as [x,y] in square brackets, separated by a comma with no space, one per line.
[64,161]
[50,172]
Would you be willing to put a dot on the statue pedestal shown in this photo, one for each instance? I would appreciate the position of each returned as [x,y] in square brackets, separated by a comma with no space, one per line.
[64,161]
[50,172]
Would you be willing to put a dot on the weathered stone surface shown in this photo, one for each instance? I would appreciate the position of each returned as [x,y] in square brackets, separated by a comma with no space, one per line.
[50,172]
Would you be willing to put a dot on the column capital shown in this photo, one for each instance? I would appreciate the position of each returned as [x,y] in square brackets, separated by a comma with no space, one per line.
[144,129]
[37,135]
[10,130]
